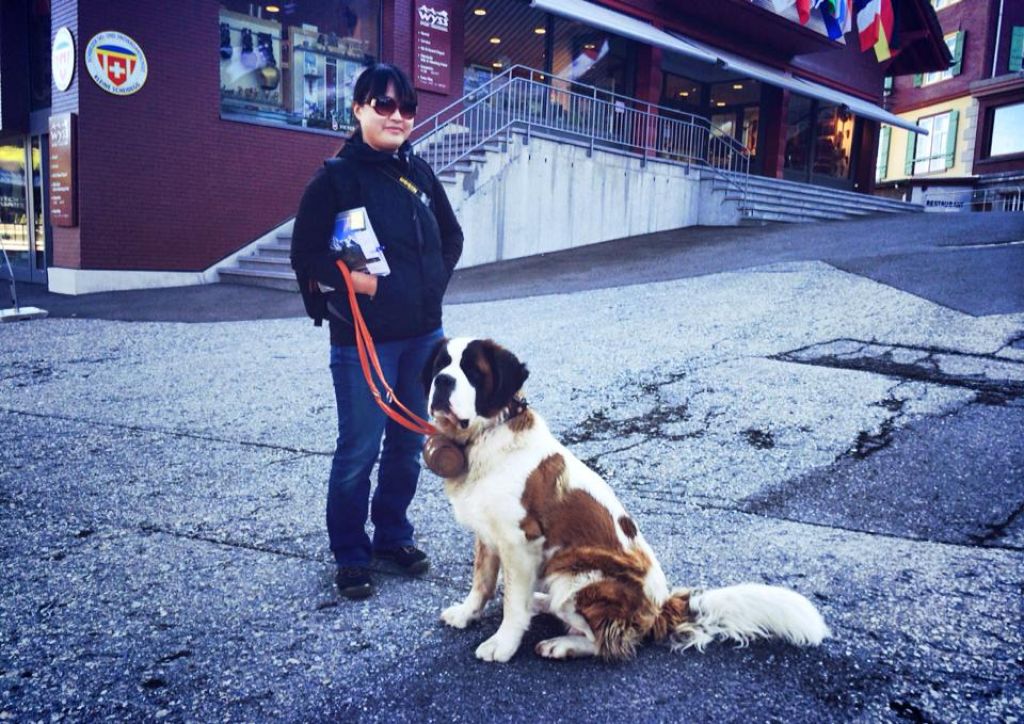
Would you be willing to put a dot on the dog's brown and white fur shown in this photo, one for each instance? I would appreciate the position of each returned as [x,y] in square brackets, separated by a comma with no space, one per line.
[562,538]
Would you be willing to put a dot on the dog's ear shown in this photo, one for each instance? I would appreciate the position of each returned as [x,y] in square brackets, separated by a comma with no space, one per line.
[430,368]
[507,376]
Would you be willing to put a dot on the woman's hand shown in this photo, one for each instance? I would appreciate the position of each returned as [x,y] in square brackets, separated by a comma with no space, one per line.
[364,283]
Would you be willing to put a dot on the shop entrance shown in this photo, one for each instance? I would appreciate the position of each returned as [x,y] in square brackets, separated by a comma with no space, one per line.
[819,143]
[24,224]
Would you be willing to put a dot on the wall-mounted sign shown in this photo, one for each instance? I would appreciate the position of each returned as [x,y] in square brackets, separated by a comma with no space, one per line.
[62,59]
[63,149]
[432,45]
[116,63]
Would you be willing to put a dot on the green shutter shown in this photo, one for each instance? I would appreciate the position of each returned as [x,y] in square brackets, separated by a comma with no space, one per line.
[884,137]
[918,79]
[954,116]
[1017,50]
[958,54]
[908,168]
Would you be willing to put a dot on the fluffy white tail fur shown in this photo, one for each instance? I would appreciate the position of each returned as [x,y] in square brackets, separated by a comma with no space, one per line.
[750,611]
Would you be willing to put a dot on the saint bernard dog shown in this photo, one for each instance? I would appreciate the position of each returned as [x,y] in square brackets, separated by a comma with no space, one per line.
[563,540]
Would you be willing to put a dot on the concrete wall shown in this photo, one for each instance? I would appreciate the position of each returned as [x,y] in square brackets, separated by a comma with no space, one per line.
[545,196]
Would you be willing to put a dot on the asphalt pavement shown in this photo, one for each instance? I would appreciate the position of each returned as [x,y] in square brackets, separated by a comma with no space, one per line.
[834,407]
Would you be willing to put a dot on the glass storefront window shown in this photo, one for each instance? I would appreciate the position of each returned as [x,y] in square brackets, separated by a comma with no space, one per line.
[296,66]
[592,56]
[500,34]
[682,93]
[798,133]
[1007,134]
[833,141]
[13,204]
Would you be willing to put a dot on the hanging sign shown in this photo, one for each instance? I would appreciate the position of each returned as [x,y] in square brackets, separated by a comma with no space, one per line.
[432,46]
[62,59]
[63,148]
[116,63]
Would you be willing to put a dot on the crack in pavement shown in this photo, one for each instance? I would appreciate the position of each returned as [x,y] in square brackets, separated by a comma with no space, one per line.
[300,452]
[926,367]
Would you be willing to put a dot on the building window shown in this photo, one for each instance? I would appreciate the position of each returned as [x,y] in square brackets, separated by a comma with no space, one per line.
[955,43]
[882,163]
[1016,50]
[939,4]
[39,55]
[295,64]
[799,127]
[1007,122]
[936,151]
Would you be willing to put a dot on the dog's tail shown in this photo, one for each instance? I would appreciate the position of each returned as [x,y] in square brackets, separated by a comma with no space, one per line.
[739,613]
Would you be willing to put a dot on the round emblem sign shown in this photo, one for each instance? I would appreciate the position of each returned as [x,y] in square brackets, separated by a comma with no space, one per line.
[62,59]
[116,63]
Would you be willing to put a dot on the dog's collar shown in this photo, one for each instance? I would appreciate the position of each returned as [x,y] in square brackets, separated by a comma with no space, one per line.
[514,409]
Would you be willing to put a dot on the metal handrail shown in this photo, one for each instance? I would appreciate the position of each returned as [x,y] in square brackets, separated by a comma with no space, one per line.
[527,100]
[1000,198]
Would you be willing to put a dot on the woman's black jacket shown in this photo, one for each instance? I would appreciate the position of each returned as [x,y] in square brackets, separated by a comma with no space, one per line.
[421,244]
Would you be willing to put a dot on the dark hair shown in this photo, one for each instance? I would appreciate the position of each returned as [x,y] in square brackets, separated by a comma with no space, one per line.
[374,81]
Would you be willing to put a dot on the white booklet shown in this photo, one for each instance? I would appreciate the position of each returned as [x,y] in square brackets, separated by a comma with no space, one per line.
[354,237]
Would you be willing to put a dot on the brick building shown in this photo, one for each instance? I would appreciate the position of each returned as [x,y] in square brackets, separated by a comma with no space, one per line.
[146,144]
[974,155]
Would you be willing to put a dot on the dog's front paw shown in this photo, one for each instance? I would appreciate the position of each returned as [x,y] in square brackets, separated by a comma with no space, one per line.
[460,615]
[497,648]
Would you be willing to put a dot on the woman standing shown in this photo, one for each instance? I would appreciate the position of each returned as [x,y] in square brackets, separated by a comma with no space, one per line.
[422,242]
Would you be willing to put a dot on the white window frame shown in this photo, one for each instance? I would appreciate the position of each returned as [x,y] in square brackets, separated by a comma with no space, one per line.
[939,4]
[940,75]
[935,158]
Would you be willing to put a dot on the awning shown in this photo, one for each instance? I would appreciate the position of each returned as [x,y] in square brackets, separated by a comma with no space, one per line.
[776,77]
[620,24]
[624,25]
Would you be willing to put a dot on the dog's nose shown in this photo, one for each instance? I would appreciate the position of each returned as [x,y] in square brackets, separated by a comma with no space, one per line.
[443,387]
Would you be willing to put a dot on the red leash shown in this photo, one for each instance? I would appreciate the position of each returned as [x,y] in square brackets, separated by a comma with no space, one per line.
[367,356]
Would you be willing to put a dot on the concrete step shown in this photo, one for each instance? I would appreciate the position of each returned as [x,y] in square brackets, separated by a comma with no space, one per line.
[281,248]
[268,279]
[257,262]
[814,207]
[835,196]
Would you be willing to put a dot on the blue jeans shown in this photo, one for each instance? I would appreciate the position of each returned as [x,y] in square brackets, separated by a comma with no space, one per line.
[361,423]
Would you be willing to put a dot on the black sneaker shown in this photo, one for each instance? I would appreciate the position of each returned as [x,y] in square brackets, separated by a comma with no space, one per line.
[409,558]
[353,582]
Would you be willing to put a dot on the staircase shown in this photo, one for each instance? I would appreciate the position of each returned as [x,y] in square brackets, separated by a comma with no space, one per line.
[774,200]
[477,130]
[268,265]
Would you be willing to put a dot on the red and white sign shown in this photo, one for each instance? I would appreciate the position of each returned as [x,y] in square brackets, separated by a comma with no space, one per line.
[116,63]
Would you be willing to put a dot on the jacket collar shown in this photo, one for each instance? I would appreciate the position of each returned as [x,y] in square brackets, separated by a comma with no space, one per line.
[357,149]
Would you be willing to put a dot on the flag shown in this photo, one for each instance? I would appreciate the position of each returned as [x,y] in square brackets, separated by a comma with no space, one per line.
[868,12]
[803,10]
[886,25]
[836,16]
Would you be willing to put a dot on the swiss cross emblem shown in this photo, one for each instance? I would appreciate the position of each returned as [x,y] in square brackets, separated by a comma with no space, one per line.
[119,63]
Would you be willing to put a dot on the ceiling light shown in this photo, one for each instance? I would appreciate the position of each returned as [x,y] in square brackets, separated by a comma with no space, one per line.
[495,40]
[496,64]
[273,9]
[589,46]
[540,31]
[684,94]
[720,104]
[480,11]
[737,86]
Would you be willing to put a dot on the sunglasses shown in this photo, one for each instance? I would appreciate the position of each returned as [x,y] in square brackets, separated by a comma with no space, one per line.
[386,105]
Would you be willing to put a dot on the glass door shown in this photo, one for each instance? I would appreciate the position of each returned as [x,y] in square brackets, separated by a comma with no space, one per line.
[14,227]
[24,226]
